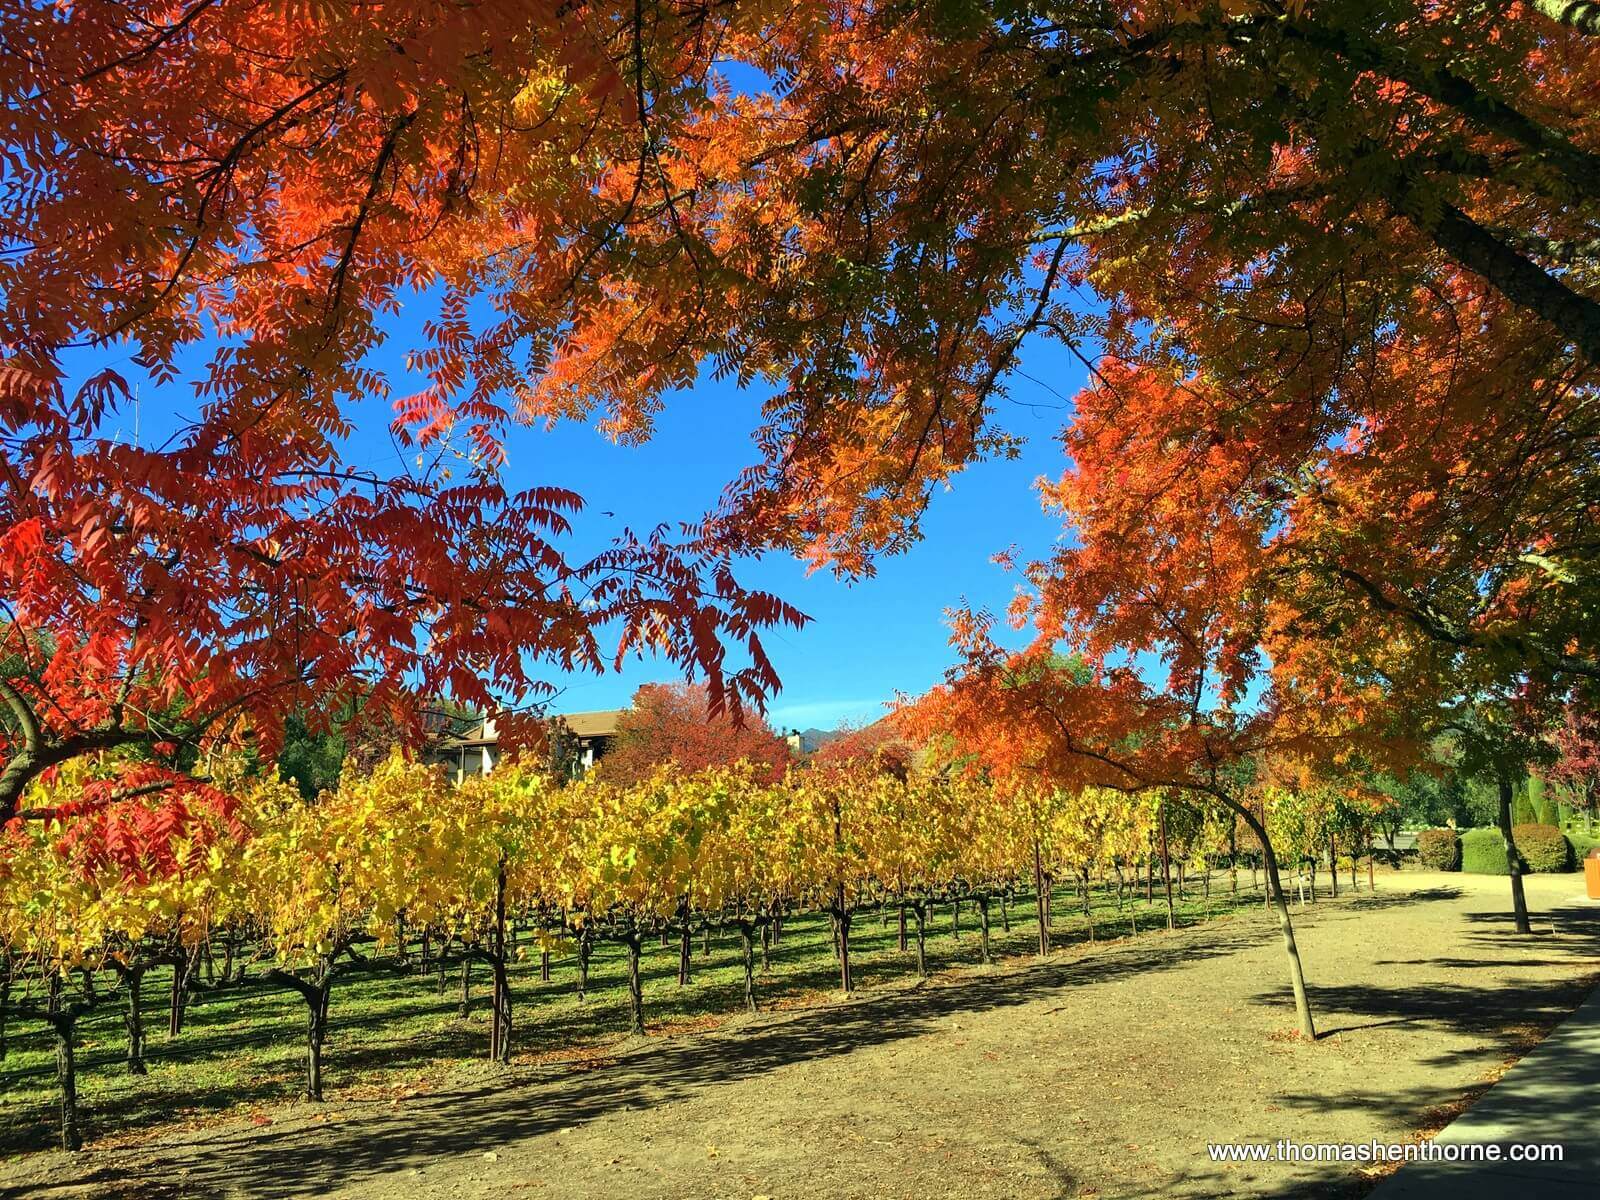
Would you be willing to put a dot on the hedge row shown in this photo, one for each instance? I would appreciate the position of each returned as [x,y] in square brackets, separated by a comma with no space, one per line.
[1543,849]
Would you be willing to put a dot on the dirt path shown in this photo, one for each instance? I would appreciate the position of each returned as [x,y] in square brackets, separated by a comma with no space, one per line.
[1102,1074]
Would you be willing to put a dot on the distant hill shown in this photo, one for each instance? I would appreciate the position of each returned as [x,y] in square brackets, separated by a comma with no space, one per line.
[822,736]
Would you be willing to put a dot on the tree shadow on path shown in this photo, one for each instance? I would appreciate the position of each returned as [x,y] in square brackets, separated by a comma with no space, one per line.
[304,1156]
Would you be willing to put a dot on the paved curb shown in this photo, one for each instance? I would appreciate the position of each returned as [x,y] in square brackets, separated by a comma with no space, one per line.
[1548,1097]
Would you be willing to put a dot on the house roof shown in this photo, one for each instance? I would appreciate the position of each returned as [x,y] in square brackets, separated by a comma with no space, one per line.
[598,723]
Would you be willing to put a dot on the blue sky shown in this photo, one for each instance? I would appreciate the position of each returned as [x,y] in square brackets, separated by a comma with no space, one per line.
[868,640]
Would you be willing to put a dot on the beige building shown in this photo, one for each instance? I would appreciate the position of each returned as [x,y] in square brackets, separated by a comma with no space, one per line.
[477,752]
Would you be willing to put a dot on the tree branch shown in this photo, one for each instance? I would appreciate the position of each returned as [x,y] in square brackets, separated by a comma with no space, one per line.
[1582,15]
[1519,279]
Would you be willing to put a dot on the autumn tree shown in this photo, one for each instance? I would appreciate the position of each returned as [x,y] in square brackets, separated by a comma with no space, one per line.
[103,879]
[1576,770]
[228,197]
[1342,258]
[1186,671]
[1355,224]
[677,723]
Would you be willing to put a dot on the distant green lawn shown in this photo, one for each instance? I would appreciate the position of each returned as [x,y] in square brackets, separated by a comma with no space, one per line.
[245,1046]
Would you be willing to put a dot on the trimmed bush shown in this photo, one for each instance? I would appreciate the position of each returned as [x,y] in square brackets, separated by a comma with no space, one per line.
[1439,849]
[1582,843]
[1544,848]
[1545,808]
[1483,853]
[1522,810]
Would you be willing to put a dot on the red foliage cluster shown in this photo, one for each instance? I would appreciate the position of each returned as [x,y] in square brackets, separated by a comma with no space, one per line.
[882,744]
[148,823]
[1577,770]
[677,723]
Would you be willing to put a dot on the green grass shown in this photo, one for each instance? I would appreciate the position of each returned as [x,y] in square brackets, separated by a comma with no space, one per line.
[245,1046]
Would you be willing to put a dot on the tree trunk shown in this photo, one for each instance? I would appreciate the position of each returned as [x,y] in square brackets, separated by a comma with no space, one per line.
[500,996]
[315,995]
[1166,868]
[766,946]
[920,911]
[1333,867]
[64,1024]
[175,1003]
[133,1018]
[1575,315]
[1005,912]
[316,1033]
[747,945]
[500,1013]
[1040,903]
[842,922]
[1519,902]
[583,963]
[635,988]
[685,950]
[1297,978]
[904,944]
[983,927]
[465,1004]
[955,919]
[1088,910]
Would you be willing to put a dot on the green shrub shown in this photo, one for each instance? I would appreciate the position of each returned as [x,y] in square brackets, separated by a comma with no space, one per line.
[1582,843]
[1439,849]
[1483,853]
[1544,848]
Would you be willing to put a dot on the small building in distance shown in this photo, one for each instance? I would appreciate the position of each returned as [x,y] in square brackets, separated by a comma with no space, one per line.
[806,742]
[478,750]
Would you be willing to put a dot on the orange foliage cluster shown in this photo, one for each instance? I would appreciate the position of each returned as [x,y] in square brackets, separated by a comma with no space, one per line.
[1342,258]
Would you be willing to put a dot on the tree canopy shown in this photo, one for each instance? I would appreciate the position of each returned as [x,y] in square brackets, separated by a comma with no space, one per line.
[1332,268]
[676,723]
